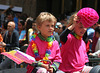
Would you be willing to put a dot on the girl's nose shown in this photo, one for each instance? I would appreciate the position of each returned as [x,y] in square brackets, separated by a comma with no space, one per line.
[51,28]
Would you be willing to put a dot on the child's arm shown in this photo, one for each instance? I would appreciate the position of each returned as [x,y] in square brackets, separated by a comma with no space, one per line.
[55,66]
[57,58]
[64,34]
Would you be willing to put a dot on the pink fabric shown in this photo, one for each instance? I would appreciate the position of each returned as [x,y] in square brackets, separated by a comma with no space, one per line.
[55,55]
[73,54]
[13,57]
[42,70]
[88,16]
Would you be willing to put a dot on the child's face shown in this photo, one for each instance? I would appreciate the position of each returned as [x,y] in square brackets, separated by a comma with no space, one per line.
[20,27]
[46,28]
[34,26]
[80,29]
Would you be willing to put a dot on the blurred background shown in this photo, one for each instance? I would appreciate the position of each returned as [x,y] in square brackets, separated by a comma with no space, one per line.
[56,7]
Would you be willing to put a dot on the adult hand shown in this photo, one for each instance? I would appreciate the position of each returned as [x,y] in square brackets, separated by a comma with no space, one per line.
[90,54]
[98,55]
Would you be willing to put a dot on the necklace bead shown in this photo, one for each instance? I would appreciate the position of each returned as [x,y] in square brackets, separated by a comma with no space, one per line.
[35,49]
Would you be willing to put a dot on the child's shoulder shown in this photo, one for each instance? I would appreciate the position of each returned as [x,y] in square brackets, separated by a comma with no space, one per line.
[70,36]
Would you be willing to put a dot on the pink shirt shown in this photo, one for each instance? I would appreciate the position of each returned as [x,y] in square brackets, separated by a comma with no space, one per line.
[73,54]
[55,55]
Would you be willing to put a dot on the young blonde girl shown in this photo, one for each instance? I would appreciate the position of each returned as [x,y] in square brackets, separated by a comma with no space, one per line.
[73,50]
[43,46]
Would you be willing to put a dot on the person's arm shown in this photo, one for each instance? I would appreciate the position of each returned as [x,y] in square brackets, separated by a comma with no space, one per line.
[55,66]
[64,34]
[7,9]
[96,53]
[57,57]
[2,44]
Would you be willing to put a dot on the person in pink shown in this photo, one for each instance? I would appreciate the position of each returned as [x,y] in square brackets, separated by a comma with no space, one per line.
[73,50]
[44,47]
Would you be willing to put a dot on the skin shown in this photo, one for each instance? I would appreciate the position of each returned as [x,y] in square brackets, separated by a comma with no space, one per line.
[34,27]
[46,28]
[10,17]
[97,35]
[77,27]
[10,27]
[60,29]
[80,29]
[20,27]
[47,68]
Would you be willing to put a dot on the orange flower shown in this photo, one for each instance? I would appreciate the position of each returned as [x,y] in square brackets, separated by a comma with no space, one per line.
[50,44]
[33,45]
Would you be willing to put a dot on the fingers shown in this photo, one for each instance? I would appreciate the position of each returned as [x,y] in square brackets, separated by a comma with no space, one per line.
[90,40]
[90,54]
[45,66]
[99,55]
[76,19]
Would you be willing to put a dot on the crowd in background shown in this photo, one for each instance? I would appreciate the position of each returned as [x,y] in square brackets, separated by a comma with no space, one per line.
[25,26]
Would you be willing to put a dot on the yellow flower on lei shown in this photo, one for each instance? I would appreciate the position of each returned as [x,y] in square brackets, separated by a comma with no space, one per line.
[45,58]
[50,44]
[33,45]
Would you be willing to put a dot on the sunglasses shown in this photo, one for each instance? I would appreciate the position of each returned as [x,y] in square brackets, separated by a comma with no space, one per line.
[59,27]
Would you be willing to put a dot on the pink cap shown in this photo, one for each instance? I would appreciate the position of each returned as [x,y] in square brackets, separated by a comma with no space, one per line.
[88,16]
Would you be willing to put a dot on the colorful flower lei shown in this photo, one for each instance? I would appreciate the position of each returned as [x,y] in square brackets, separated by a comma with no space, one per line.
[35,49]
[78,37]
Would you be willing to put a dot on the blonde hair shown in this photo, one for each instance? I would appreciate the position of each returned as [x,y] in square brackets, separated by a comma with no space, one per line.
[45,16]
[70,21]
